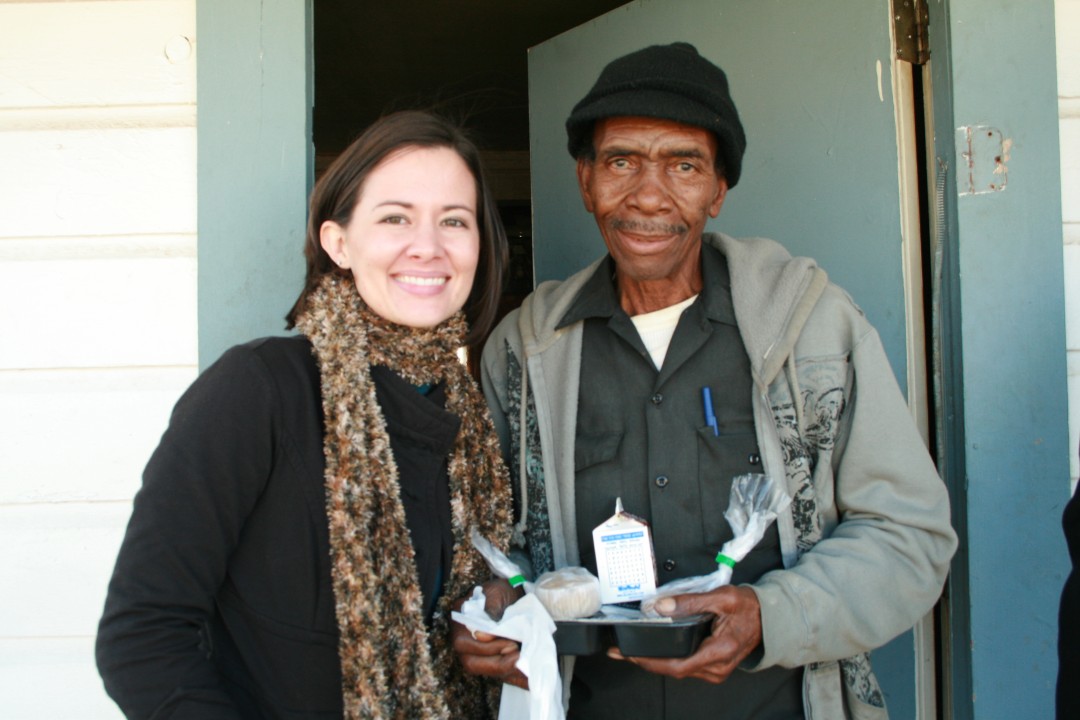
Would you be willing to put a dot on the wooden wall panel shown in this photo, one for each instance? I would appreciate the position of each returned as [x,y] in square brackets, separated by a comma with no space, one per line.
[1067,29]
[57,560]
[98,313]
[1070,166]
[98,303]
[68,435]
[47,678]
[56,54]
[97,182]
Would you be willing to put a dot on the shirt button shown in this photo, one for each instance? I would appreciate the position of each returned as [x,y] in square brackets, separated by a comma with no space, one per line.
[657,398]
[669,564]
[754,459]
[661,481]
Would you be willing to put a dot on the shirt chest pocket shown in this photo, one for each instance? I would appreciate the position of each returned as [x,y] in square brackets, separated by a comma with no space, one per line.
[720,459]
[597,482]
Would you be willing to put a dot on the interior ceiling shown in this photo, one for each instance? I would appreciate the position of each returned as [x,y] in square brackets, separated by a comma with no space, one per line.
[465,58]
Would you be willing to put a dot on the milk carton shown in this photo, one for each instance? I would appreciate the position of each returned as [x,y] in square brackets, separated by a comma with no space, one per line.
[624,557]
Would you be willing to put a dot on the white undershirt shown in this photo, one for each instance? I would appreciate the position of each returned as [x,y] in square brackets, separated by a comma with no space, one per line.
[656,329]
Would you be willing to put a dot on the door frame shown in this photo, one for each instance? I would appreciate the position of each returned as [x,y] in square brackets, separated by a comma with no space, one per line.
[255,165]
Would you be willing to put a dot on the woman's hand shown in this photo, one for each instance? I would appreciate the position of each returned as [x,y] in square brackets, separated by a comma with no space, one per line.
[485,654]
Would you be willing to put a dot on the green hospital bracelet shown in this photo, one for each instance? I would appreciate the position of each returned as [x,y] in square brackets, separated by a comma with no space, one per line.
[516,581]
[722,559]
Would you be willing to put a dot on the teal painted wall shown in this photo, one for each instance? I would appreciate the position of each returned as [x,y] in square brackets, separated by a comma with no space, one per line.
[993,65]
[255,165]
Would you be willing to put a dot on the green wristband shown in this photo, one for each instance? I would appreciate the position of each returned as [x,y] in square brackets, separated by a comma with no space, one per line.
[516,581]
[722,559]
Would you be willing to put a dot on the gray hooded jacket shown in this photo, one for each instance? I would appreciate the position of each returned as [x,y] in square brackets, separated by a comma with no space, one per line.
[867,539]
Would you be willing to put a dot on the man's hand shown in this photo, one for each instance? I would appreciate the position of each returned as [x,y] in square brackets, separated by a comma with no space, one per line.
[736,631]
[484,654]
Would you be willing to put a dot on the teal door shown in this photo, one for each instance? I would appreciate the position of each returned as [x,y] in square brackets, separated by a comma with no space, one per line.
[823,172]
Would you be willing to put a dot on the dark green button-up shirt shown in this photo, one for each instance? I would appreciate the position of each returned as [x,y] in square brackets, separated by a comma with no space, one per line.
[642,436]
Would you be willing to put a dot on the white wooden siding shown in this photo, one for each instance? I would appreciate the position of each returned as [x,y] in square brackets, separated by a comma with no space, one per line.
[1067,29]
[98,310]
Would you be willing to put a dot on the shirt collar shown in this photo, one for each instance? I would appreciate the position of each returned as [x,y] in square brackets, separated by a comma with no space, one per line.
[599,298]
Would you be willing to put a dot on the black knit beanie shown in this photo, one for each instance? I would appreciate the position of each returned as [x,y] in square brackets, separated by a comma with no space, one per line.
[669,82]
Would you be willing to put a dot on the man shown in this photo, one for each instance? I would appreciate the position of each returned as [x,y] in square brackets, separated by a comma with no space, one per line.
[596,388]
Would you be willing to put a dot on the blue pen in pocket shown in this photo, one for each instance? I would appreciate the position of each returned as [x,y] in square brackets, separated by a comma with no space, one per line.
[710,416]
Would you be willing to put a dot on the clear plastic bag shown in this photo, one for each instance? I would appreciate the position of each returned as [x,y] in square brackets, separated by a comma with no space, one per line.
[500,565]
[754,503]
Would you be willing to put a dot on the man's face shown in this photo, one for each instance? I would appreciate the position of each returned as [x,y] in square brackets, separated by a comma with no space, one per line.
[651,187]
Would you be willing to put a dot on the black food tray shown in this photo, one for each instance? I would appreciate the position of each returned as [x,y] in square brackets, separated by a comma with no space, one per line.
[574,637]
[678,638]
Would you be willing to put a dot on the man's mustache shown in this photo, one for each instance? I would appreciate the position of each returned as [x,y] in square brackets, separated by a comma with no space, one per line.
[647,228]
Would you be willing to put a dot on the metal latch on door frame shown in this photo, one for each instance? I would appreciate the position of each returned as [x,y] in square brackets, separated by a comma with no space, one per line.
[911,29]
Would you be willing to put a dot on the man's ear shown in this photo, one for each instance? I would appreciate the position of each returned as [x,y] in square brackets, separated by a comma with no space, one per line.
[718,201]
[584,177]
[332,239]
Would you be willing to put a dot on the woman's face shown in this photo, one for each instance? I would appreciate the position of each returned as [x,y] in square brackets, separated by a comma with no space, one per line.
[413,241]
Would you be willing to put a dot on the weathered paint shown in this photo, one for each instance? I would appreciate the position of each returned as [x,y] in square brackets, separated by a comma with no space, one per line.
[984,154]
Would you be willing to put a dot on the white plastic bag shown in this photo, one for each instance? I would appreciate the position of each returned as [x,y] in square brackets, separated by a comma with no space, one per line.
[527,622]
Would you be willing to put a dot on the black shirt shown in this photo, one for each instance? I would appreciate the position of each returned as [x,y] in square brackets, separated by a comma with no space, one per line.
[422,436]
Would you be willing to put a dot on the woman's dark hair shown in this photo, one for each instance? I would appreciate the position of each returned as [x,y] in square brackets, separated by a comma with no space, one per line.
[338,190]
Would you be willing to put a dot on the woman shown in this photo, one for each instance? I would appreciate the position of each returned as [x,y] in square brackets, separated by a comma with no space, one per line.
[304,522]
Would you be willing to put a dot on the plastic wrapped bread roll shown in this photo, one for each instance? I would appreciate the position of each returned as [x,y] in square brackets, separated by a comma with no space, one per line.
[569,593]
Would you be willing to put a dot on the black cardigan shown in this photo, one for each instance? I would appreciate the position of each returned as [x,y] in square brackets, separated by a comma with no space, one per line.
[221,604]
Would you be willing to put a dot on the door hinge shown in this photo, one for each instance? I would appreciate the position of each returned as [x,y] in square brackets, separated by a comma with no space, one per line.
[911,28]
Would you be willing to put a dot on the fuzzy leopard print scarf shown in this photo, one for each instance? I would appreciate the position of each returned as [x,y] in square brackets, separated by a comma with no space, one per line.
[391,666]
